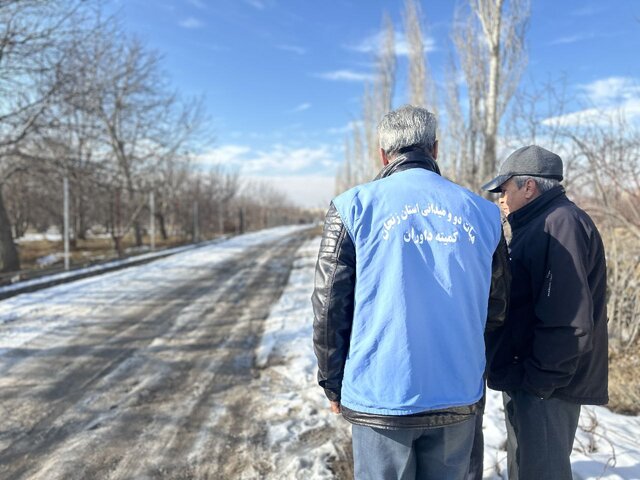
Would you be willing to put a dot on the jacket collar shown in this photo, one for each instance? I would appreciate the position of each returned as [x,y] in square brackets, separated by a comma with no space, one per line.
[411,159]
[530,211]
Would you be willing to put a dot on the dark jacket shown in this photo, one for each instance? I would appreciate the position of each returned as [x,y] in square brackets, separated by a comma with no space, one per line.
[333,302]
[554,342]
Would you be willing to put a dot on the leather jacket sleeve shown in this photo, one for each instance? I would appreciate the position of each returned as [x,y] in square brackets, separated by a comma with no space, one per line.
[333,300]
[500,287]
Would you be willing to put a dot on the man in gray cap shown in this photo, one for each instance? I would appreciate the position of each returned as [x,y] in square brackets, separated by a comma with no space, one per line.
[550,356]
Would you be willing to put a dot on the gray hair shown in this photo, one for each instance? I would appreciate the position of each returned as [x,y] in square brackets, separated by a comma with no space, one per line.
[544,184]
[408,126]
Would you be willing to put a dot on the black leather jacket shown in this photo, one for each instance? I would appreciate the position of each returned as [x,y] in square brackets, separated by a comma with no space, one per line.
[333,303]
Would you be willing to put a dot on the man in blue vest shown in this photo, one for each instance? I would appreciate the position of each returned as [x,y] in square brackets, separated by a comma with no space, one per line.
[412,268]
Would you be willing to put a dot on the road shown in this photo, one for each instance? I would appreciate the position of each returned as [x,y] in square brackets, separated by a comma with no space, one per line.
[152,385]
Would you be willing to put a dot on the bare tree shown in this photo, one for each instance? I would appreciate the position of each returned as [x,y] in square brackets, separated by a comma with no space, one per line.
[504,36]
[84,101]
[474,69]
[343,175]
[385,80]
[422,90]
[415,42]
[225,185]
[168,183]
[609,148]
[489,39]
[31,33]
[377,100]
[128,106]
[381,99]
[456,142]
[260,205]
[142,126]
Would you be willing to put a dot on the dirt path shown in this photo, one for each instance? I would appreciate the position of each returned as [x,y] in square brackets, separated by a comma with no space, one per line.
[158,388]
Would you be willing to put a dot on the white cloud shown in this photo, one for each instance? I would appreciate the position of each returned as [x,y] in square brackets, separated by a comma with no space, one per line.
[305,175]
[597,116]
[588,10]
[373,44]
[612,90]
[308,191]
[278,160]
[301,108]
[191,23]
[226,155]
[570,39]
[345,75]
[610,97]
[346,129]
[292,48]
[579,37]
[257,4]
[198,4]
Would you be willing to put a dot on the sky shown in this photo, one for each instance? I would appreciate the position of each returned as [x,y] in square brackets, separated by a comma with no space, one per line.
[283,79]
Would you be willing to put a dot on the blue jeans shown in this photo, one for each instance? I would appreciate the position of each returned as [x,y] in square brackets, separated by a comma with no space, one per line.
[413,454]
[476,466]
[540,436]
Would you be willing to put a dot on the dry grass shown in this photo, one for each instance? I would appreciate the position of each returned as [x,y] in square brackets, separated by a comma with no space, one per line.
[84,252]
[624,382]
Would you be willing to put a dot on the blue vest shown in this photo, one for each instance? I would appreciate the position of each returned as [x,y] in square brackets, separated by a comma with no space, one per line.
[424,249]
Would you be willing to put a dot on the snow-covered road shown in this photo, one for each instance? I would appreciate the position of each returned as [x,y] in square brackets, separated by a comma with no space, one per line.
[141,373]
[200,366]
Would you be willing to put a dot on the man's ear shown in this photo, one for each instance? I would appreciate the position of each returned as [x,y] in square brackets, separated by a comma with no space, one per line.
[384,157]
[434,153]
[531,189]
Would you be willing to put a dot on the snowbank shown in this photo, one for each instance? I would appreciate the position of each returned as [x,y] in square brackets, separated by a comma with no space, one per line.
[305,438]
[607,445]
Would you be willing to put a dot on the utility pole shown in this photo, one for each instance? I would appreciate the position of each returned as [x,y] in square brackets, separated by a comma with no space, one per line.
[196,232]
[66,222]
[116,226]
[152,220]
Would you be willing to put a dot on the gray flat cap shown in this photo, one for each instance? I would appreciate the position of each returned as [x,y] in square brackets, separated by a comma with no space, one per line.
[533,161]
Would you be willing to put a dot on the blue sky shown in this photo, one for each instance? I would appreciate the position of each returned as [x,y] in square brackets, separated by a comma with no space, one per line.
[283,78]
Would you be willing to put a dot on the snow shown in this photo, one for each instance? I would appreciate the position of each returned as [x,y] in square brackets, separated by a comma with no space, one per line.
[51,235]
[607,445]
[303,436]
[50,259]
[301,409]
[62,306]
[54,235]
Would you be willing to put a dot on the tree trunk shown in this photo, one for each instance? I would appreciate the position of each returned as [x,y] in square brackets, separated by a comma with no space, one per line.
[138,231]
[241,221]
[80,224]
[489,158]
[221,211]
[493,29]
[163,226]
[9,259]
[117,222]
